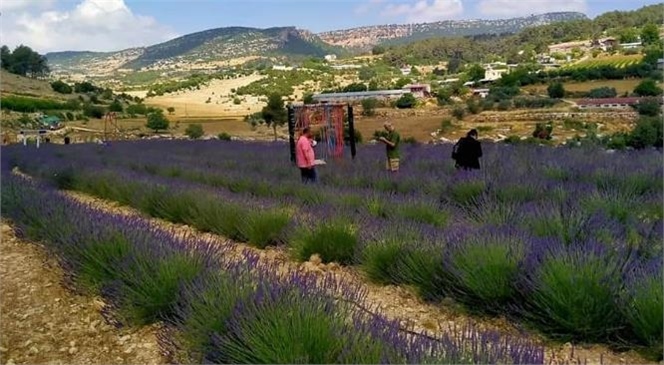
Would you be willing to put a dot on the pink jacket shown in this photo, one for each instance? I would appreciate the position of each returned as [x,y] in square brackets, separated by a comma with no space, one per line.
[304,153]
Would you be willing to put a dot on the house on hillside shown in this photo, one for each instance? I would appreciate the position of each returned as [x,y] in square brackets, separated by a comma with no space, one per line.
[492,74]
[483,93]
[630,45]
[405,70]
[605,44]
[330,57]
[418,90]
[609,103]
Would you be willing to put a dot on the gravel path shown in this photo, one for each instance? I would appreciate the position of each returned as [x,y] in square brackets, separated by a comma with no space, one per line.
[42,322]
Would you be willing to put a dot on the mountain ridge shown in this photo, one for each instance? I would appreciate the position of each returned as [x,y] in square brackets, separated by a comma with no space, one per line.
[204,49]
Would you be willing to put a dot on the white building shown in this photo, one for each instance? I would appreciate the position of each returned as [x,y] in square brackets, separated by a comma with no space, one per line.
[330,57]
[494,74]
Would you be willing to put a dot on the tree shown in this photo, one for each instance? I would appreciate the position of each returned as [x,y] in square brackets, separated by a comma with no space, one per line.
[453,65]
[157,121]
[628,35]
[543,131]
[354,87]
[556,90]
[369,106]
[475,72]
[171,110]
[406,101]
[116,106]
[648,88]
[443,96]
[308,98]
[647,133]
[274,113]
[458,113]
[649,107]
[650,34]
[24,61]
[377,50]
[472,106]
[603,92]
[194,131]
[254,119]
[373,85]
[366,73]
[402,82]
[61,87]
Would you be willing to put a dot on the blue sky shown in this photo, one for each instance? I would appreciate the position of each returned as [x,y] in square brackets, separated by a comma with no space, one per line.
[105,25]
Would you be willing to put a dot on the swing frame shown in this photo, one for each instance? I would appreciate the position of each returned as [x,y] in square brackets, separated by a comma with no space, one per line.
[326,112]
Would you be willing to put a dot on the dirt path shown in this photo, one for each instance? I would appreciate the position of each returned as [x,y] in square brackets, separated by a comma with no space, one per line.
[42,322]
[396,302]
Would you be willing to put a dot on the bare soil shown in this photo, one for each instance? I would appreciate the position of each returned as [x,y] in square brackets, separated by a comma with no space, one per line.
[41,322]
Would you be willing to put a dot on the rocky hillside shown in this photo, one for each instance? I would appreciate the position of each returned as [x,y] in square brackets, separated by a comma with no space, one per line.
[199,48]
[365,37]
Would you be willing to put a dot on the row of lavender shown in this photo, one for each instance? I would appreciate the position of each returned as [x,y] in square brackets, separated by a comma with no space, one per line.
[573,246]
[219,310]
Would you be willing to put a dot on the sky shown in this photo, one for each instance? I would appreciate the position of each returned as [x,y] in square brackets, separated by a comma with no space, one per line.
[110,25]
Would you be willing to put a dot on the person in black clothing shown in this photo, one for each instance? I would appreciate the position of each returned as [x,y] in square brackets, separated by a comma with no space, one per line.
[467,152]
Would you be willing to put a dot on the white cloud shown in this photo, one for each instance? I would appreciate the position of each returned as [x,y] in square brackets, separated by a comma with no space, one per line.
[507,8]
[365,7]
[12,5]
[95,25]
[425,10]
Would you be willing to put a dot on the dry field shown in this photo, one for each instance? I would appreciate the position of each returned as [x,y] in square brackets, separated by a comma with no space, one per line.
[621,86]
[194,103]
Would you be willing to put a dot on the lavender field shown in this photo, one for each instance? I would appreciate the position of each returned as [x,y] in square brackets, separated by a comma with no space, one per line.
[567,242]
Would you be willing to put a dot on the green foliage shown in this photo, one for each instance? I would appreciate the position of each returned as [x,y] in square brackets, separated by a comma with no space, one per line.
[93,111]
[24,61]
[170,110]
[556,90]
[475,72]
[543,131]
[648,88]
[355,87]
[466,192]
[223,136]
[30,105]
[473,106]
[534,102]
[643,309]
[308,98]
[116,106]
[150,286]
[334,241]
[504,105]
[401,82]
[194,131]
[61,87]
[650,34]
[603,92]
[274,113]
[649,107]
[137,109]
[99,261]
[447,126]
[443,96]
[574,295]
[406,101]
[484,270]
[237,101]
[157,121]
[263,228]
[647,133]
[378,50]
[367,73]
[458,112]
[85,87]
[70,116]
[369,106]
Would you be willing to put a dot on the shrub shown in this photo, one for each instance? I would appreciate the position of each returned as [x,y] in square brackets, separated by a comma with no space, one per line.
[30,105]
[446,125]
[543,131]
[334,241]
[116,106]
[484,269]
[406,101]
[380,261]
[369,107]
[149,286]
[647,133]
[170,110]
[473,106]
[237,101]
[265,227]
[93,111]
[556,90]
[504,105]
[458,112]
[137,109]
[466,192]
[649,107]
[61,87]
[642,304]
[223,136]
[603,92]
[156,121]
[99,262]
[70,116]
[572,293]
[194,131]
[648,87]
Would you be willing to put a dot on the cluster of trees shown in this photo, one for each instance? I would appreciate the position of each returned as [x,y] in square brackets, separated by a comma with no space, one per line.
[24,61]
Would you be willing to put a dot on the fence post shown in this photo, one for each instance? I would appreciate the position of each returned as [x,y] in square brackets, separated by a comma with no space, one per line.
[291,132]
[351,131]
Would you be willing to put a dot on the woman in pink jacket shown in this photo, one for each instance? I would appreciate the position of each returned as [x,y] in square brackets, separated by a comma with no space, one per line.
[305,158]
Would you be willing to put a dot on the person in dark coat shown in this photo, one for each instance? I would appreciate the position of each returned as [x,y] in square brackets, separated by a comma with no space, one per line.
[467,152]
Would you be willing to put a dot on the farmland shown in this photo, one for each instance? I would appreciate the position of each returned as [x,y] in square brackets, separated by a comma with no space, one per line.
[620,61]
[566,242]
